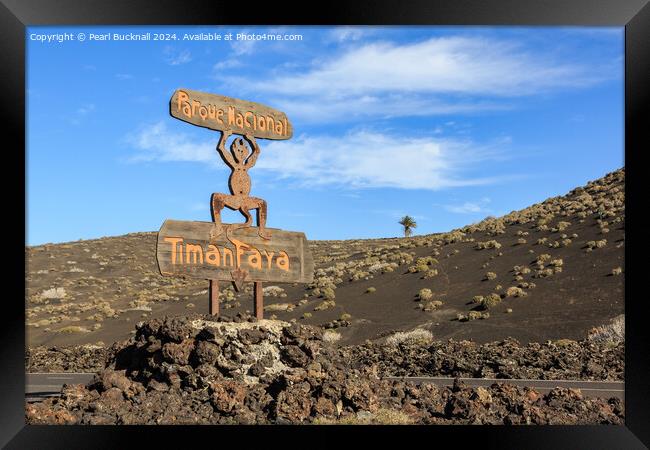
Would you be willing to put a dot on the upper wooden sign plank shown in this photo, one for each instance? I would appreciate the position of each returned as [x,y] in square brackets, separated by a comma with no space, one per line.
[225,113]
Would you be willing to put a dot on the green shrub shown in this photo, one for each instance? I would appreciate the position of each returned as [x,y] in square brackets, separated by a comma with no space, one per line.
[491,300]
[331,336]
[543,273]
[596,244]
[325,305]
[430,273]
[613,333]
[474,315]
[427,260]
[488,301]
[328,293]
[514,291]
[417,336]
[430,306]
[73,329]
[488,244]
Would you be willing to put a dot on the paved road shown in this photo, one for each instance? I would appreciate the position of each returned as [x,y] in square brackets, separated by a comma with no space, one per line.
[43,385]
[605,389]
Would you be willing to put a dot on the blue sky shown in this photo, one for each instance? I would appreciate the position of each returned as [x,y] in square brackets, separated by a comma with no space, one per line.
[446,124]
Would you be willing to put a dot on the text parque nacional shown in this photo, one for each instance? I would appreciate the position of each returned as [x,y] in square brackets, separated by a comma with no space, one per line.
[229,116]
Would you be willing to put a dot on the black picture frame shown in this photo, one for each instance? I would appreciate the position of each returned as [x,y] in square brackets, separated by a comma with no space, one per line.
[634,15]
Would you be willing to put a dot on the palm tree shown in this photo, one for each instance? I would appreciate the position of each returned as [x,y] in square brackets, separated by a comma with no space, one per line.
[408,223]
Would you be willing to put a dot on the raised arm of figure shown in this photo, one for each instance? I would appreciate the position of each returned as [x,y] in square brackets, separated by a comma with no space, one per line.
[255,151]
[225,154]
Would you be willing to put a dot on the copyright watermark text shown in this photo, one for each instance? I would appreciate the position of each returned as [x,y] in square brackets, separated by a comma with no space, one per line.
[58,38]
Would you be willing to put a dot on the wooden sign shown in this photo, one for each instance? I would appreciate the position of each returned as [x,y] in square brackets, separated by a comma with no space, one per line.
[224,252]
[233,252]
[229,114]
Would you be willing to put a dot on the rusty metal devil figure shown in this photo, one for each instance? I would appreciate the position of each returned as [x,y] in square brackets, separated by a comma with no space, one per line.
[241,156]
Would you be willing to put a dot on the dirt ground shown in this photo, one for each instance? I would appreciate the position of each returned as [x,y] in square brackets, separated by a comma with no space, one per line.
[95,291]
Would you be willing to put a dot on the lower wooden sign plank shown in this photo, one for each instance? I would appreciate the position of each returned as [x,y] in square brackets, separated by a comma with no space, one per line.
[223,252]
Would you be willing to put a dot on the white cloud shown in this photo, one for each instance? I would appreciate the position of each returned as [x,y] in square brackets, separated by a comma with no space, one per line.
[470,207]
[78,116]
[174,57]
[466,207]
[123,76]
[369,159]
[242,46]
[438,65]
[227,64]
[360,159]
[86,109]
[157,143]
[436,76]
[343,34]
[317,109]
